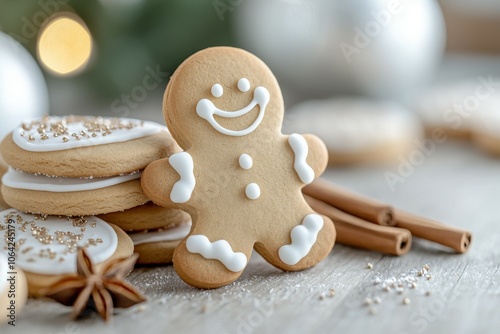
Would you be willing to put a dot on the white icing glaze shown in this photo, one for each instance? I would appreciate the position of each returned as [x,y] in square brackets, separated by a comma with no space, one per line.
[487,119]
[206,110]
[300,149]
[303,238]
[245,161]
[4,269]
[19,180]
[217,250]
[252,191]
[33,256]
[217,90]
[127,129]
[349,125]
[175,233]
[183,164]
[438,105]
[244,85]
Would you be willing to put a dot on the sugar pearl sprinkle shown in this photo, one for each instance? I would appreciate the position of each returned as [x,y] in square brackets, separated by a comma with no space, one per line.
[398,289]
[40,130]
[41,234]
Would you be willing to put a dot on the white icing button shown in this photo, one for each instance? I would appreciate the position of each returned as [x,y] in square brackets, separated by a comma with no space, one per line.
[244,85]
[252,191]
[58,258]
[217,90]
[246,161]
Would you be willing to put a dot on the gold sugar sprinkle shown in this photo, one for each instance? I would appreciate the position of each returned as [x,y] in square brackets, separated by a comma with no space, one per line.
[65,139]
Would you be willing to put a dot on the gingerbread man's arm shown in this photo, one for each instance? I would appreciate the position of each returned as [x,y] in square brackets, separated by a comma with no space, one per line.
[318,154]
[170,182]
[310,156]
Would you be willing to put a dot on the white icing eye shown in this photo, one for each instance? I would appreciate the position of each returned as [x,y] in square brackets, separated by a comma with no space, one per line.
[243,85]
[217,90]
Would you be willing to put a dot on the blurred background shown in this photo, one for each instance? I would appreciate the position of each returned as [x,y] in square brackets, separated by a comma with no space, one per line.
[372,76]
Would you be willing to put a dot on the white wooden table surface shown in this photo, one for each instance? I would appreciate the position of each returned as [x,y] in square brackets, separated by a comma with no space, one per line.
[457,185]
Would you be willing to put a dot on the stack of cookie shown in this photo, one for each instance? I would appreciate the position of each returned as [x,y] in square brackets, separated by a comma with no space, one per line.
[79,167]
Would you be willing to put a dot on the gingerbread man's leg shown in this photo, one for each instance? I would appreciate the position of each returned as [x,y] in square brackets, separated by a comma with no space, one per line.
[211,256]
[302,245]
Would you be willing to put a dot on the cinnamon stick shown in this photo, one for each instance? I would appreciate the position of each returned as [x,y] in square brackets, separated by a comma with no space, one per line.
[356,232]
[449,236]
[351,203]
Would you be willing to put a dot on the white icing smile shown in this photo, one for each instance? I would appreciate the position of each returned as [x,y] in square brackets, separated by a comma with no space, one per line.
[206,109]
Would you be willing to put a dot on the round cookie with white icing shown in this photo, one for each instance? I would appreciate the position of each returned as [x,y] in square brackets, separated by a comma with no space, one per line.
[357,130]
[451,107]
[46,245]
[486,126]
[71,196]
[86,146]
[239,178]
[13,290]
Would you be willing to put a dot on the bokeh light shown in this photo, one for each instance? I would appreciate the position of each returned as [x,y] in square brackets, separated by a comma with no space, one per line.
[64,45]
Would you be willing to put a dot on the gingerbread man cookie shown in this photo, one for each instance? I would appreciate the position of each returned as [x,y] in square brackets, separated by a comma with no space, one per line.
[239,177]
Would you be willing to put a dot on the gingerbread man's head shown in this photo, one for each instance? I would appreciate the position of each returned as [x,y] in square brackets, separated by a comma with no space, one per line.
[214,98]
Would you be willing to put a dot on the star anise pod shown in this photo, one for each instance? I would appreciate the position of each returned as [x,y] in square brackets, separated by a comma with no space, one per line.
[99,290]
